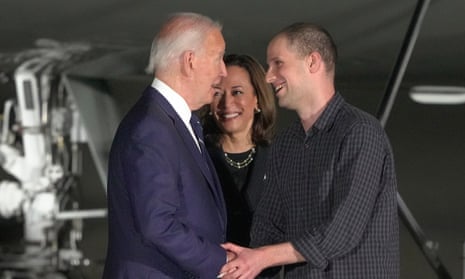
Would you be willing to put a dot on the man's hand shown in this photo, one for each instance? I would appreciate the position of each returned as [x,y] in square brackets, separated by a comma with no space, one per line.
[230,256]
[247,263]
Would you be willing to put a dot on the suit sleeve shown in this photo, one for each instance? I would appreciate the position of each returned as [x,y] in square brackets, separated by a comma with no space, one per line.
[152,174]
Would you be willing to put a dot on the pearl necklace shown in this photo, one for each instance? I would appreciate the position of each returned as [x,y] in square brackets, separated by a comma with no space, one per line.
[241,164]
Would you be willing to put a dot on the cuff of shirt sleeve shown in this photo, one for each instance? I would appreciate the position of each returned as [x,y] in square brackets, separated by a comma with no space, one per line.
[308,248]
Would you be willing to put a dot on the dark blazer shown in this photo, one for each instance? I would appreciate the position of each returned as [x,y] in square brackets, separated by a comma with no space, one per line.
[166,213]
[240,203]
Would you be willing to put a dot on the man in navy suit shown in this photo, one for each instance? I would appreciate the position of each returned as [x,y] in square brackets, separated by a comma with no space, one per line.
[166,212]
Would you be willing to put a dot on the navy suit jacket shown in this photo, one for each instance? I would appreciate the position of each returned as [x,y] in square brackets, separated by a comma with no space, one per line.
[166,213]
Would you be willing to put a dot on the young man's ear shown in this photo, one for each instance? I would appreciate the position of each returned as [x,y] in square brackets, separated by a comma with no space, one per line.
[313,62]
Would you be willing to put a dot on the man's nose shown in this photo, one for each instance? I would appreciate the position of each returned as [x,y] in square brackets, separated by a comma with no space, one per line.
[223,71]
[269,77]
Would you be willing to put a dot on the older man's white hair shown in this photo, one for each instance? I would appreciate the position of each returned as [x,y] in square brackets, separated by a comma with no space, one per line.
[180,33]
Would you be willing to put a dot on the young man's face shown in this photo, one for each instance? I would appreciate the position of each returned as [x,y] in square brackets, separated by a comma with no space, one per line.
[286,72]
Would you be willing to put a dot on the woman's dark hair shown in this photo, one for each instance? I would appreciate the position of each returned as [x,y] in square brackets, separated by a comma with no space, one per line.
[264,121]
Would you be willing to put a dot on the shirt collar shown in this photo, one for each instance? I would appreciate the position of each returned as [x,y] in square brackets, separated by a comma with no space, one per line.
[328,115]
[176,101]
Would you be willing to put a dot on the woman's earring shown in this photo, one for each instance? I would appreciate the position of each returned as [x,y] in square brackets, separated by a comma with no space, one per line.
[257,110]
[210,113]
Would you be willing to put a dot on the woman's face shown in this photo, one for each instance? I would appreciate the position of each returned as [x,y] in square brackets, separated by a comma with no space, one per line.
[234,103]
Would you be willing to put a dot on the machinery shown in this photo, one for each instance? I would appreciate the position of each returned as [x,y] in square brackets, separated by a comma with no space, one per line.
[40,156]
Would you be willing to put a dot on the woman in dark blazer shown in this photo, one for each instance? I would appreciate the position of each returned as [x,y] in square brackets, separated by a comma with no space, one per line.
[238,127]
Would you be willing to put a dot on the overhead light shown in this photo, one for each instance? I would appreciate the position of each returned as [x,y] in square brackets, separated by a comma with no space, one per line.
[438,95]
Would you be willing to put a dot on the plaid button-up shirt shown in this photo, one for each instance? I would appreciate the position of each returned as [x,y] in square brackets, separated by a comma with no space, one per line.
[331,192]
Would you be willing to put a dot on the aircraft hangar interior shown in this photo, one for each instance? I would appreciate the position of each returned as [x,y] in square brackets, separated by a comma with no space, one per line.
[69,71]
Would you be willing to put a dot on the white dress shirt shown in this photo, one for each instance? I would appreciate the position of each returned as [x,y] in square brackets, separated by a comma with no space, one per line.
[178,103]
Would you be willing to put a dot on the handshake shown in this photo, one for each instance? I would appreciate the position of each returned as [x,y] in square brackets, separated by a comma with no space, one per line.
[247,263]
[241,262]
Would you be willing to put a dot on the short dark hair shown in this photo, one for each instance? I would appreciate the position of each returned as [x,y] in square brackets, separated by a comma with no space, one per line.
[305,38]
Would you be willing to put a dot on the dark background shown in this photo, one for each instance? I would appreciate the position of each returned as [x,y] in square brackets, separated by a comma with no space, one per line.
[428,140]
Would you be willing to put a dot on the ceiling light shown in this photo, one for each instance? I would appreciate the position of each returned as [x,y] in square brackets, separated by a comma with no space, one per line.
[438,95]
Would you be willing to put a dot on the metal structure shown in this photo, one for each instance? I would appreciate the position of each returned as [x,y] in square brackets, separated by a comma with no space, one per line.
[40,150]
[427,247]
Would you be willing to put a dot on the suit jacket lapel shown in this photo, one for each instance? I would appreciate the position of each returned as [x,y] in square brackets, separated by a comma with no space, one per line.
[206,166]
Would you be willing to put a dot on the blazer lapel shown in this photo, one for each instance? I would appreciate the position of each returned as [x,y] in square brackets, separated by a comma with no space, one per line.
[189,141]
[206,166]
